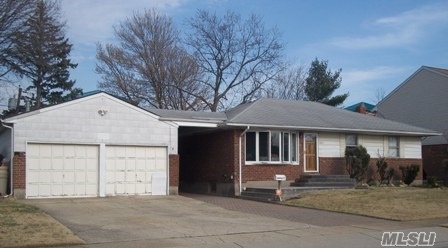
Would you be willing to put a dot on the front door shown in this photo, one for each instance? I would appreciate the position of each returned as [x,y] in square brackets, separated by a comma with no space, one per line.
[310,152]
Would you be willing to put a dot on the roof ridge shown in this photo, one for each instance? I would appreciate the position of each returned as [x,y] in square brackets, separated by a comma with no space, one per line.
[442,71]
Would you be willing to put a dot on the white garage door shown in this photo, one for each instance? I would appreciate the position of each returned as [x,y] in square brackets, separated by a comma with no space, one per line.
[132,170]
[56,170]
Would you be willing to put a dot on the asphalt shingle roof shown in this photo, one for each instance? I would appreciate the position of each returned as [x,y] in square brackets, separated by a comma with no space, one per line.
[314,116]
[189,115]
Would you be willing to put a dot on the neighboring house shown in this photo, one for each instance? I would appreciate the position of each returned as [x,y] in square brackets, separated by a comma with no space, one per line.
[422,100]
[363,108]
[99,145]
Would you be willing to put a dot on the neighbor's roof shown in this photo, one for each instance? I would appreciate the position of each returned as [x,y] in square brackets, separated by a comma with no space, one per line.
[369,107]
[305,115]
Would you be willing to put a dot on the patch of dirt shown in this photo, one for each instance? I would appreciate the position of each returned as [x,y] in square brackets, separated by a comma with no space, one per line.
[24,225]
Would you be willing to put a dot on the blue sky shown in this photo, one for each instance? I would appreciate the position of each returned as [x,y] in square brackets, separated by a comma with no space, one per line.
[377,43]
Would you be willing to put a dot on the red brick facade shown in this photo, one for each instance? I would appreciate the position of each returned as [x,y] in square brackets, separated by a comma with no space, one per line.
[211,159]
[19,170]
[435,161]
[174,169]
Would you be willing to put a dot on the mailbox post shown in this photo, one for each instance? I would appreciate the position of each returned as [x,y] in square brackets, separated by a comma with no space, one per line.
[279,178]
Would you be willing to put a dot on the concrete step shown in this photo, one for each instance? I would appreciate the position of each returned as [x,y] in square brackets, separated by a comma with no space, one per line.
[328,184]
[325,181]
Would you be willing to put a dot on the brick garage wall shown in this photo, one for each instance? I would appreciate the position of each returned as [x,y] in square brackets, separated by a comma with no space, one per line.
[336,166]
[435,161]
[174,174]
[19,171]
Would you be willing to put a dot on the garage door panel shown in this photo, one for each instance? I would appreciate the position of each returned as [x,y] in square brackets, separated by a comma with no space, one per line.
[57,164]
[44,190]
[69,163]
[62,170]
[57,190]
[57,177]
[130,171]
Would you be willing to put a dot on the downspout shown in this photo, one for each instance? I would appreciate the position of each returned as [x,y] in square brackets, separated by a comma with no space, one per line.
[12,156]
[241,160]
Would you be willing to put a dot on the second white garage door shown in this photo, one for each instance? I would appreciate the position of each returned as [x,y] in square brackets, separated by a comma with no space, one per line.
[133,170]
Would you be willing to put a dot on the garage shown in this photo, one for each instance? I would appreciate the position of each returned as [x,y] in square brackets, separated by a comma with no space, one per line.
[134,170]
[93,146]
[59,170]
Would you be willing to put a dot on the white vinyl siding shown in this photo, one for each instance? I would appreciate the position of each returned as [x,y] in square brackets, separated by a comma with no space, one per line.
[410,147]
[78,122]
[333,145]
[374,145]
[329,145]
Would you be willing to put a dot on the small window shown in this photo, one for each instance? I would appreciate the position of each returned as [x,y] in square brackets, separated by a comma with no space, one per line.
[294,147]
[394,148]
[250,146]
[263,146]
[275,146]
[351,140]
[285,147]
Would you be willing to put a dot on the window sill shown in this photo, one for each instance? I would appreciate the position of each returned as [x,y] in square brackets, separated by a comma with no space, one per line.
[270,163]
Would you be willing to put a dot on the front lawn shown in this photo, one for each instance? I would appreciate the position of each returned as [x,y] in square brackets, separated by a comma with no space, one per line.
[395,203]
[24,225]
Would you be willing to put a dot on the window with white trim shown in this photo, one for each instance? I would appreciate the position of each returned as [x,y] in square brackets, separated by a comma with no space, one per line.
[271,146]
[351,140]
[394,147]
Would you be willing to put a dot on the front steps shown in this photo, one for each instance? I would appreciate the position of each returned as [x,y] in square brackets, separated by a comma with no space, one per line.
[331,181]
[305,183]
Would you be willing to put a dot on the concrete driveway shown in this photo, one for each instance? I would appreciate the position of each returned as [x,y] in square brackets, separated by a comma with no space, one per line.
[178,221]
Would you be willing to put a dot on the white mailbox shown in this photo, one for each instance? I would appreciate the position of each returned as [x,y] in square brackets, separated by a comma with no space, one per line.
[279,177]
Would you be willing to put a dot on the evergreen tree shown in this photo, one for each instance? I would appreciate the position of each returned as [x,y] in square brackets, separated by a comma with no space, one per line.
[321,83]
[40,53]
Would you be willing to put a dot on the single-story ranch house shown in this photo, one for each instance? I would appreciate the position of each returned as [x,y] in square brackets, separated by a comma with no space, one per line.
[99,145]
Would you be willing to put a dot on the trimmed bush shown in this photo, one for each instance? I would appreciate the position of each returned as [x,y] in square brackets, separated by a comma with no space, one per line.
[357,161]
[409,173]
[384,173]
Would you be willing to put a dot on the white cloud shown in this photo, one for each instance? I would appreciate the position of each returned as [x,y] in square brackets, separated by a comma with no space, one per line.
[92,21]
[363,84]
[403,29]
[362,77]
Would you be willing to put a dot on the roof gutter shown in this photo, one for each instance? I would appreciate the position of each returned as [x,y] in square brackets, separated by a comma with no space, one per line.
[240,171]
[11,155]
[329,129]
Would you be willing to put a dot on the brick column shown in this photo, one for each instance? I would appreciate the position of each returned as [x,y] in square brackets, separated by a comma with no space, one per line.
[19,174]
[174,174]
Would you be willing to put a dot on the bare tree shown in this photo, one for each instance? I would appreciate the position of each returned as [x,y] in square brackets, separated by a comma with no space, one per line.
[13,14]
[237,56]
[148,67]
[289,84]
[380,94]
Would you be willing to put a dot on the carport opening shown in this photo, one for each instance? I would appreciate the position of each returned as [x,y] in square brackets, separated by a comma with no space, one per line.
[201,158]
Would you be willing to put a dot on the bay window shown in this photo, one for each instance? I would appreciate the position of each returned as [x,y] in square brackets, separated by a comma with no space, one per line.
[271,146]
